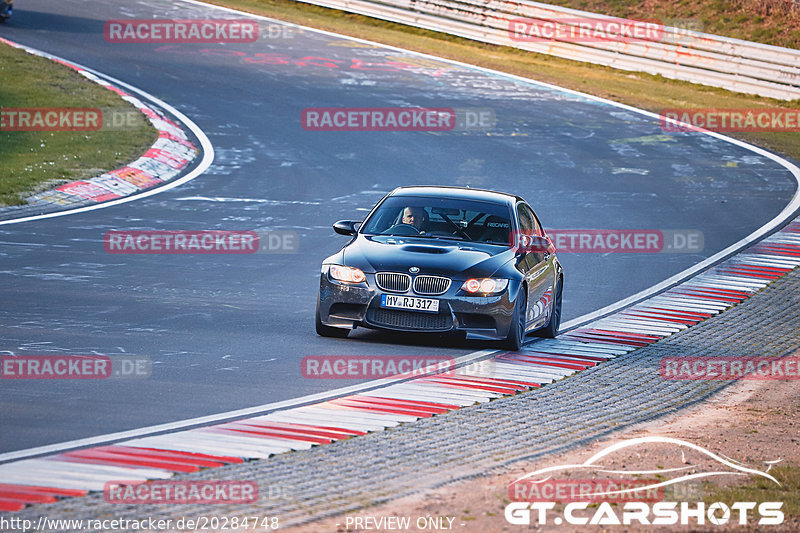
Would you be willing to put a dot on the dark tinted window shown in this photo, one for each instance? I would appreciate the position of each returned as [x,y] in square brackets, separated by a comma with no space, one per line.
[525,219]
[537,229]
[468,220]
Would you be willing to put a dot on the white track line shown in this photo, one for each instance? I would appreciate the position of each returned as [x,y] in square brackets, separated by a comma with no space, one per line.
[205,162]
[776,222]
[773,224]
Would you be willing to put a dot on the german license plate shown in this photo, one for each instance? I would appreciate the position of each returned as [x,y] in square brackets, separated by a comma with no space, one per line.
[411,303]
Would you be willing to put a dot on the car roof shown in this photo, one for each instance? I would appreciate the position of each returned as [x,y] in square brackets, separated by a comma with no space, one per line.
[466,193]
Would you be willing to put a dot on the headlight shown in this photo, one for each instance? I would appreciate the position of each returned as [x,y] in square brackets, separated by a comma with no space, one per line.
[348,274]
[485,285]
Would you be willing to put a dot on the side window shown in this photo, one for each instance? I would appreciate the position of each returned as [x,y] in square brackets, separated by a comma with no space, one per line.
[525,220]
[537,228]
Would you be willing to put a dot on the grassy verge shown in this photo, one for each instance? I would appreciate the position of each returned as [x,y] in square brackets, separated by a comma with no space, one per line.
[764,490]
[645,91]
[34,161]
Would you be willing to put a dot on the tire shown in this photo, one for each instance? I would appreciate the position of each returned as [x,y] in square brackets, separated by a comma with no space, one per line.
[551,329]
[516,333]
[328,331]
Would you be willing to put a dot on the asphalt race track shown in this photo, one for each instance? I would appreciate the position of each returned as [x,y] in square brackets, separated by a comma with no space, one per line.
[226,332]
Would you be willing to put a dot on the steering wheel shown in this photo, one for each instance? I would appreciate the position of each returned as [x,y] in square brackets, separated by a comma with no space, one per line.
[403,229]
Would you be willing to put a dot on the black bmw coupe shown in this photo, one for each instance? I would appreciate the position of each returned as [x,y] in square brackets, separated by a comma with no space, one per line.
[439,259]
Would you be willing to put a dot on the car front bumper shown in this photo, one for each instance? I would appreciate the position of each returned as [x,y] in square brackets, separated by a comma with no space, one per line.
[348,305]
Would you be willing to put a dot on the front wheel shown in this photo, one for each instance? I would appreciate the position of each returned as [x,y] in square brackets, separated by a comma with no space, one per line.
[551,329]
[516,334]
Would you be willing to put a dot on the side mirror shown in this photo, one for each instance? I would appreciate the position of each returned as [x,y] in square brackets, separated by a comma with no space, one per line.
[345,227]
[539,244]
[533,243]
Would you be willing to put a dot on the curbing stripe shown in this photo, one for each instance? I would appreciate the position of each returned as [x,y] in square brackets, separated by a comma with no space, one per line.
[152,173]
[700,306]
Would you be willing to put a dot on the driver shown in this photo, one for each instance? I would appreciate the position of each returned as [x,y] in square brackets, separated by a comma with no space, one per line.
[417,217]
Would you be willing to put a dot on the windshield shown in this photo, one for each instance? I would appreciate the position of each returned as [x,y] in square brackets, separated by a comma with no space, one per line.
[441,218]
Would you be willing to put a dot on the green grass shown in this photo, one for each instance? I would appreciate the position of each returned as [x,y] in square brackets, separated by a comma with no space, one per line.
[35,161]
[763,490]
[653,93]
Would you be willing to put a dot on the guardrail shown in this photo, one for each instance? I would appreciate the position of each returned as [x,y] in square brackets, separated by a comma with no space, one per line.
[676,53]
